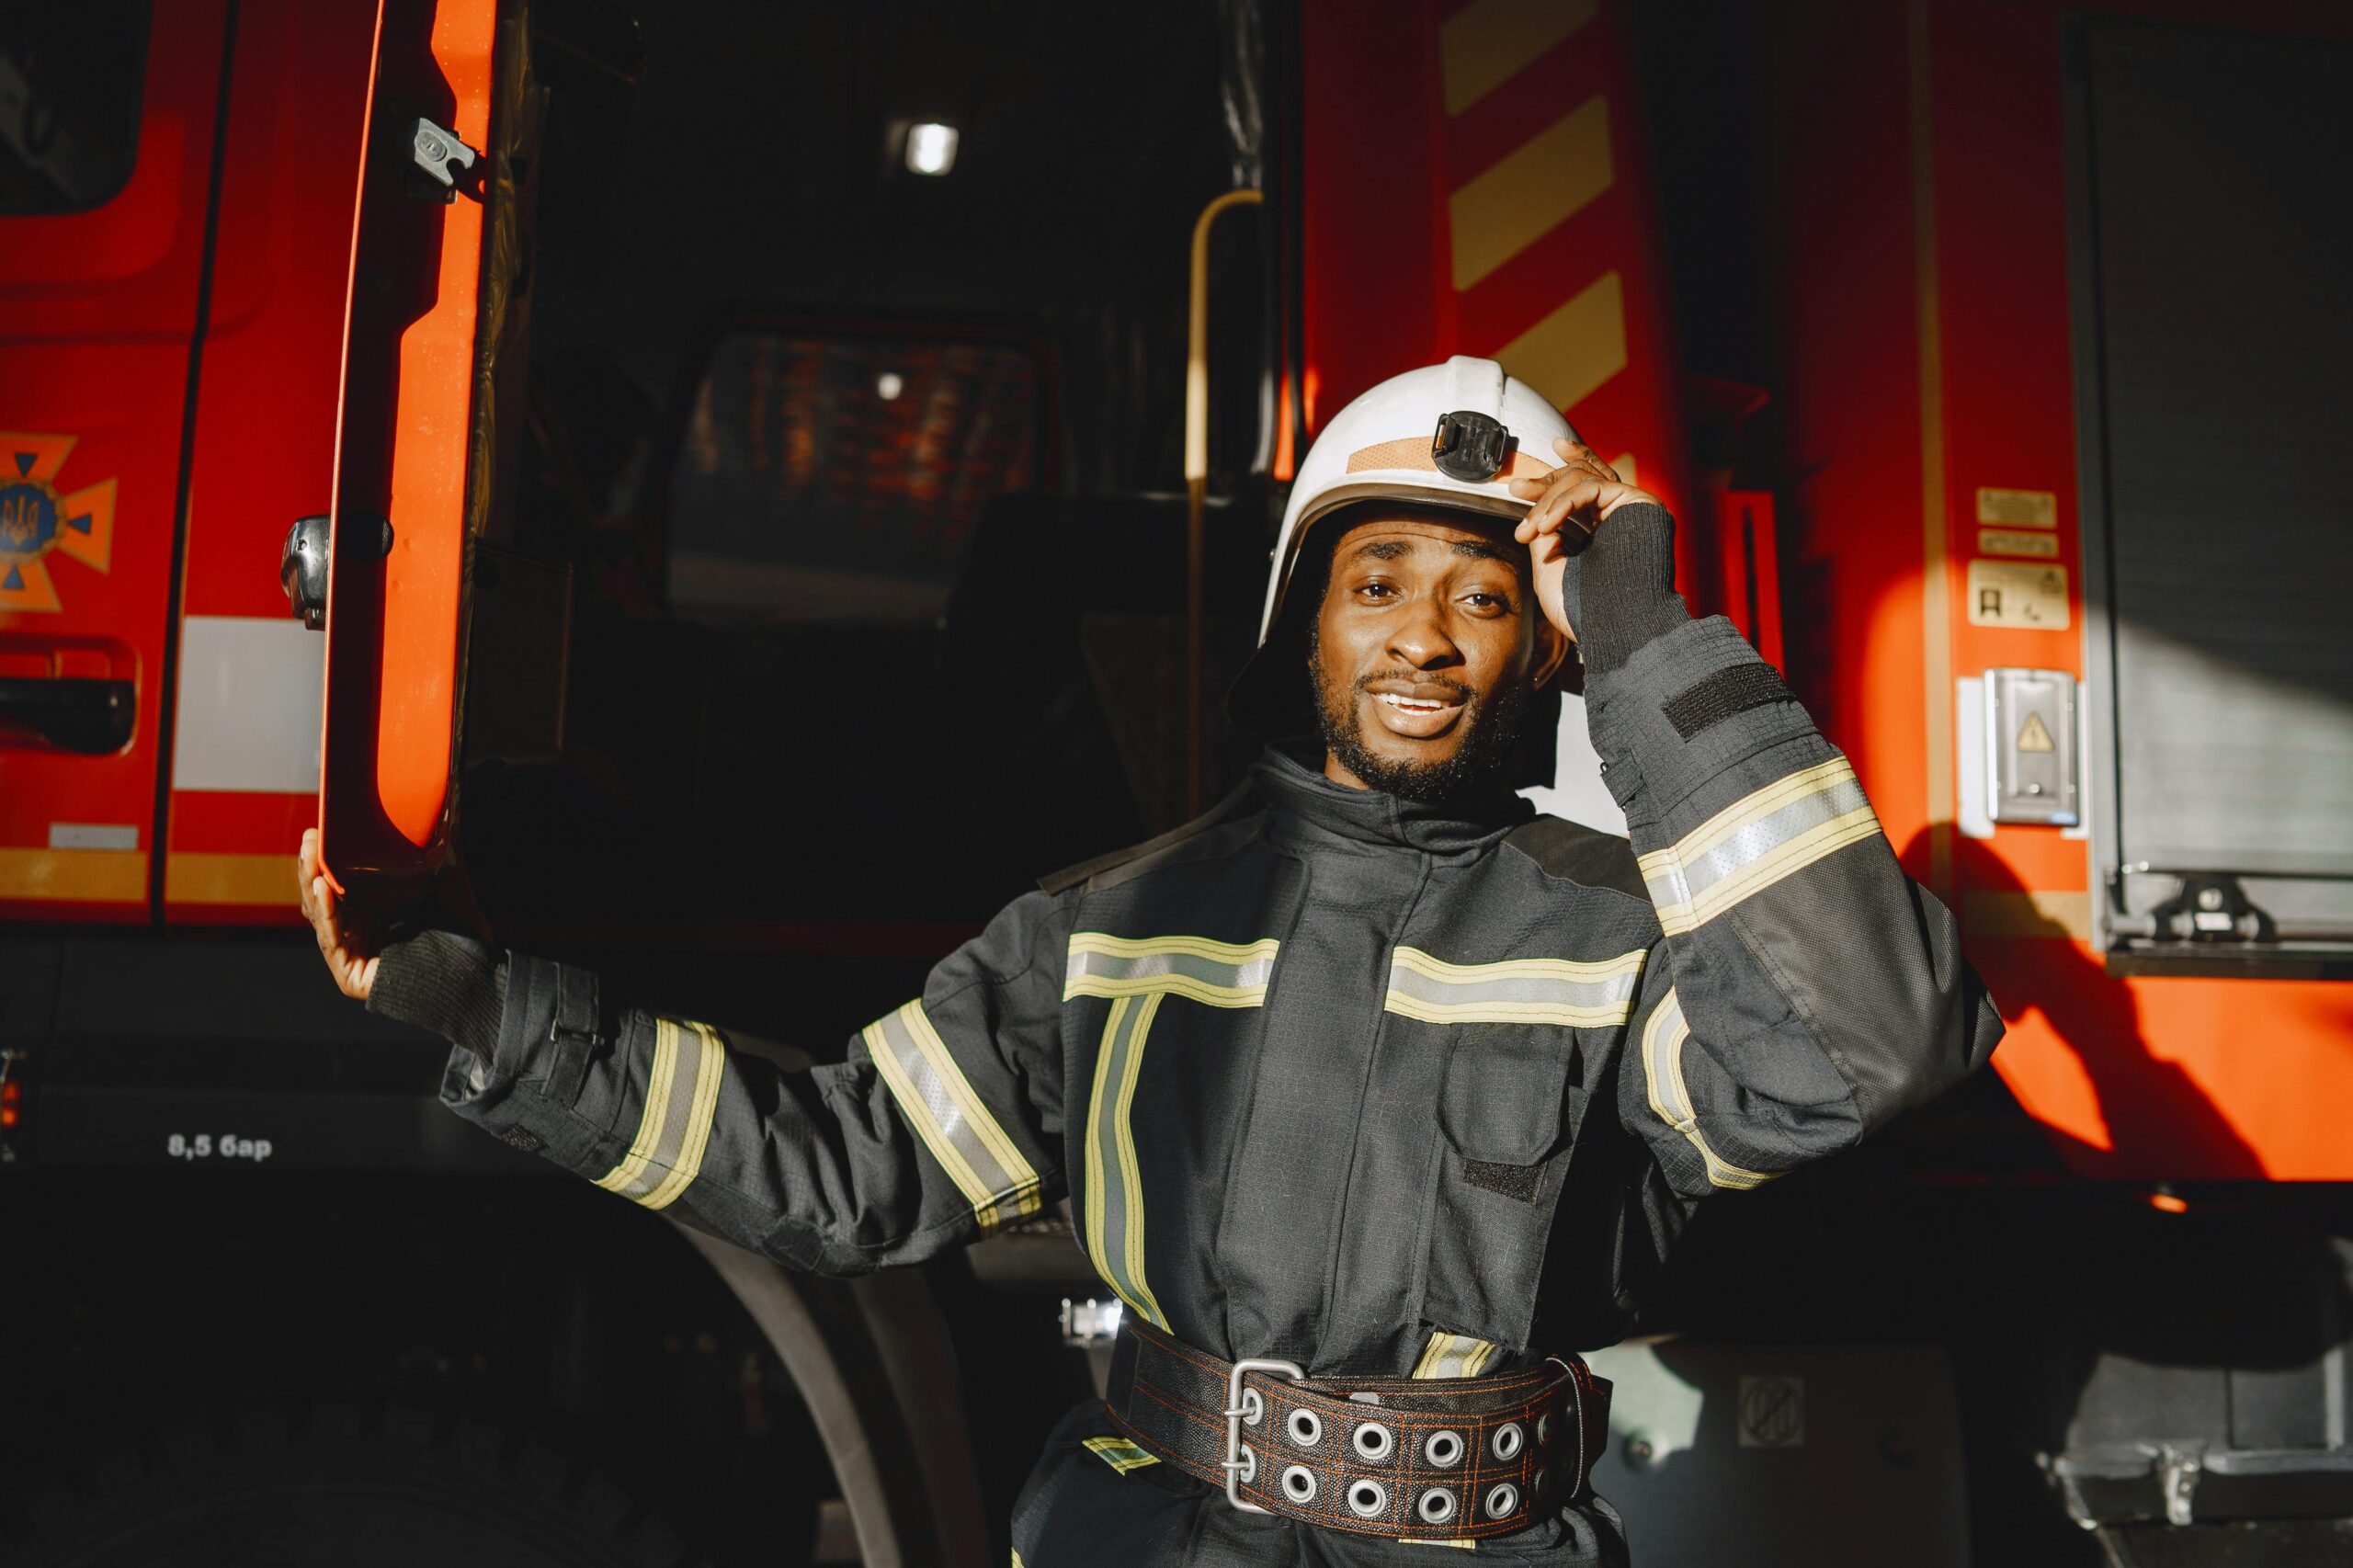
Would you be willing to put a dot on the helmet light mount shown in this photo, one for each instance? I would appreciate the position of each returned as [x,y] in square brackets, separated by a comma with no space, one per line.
[1470,446]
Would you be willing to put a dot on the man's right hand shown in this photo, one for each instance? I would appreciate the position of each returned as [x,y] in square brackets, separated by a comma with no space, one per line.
[354,976]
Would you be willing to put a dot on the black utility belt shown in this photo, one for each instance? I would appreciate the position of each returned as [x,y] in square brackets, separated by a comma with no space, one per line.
[1447,1458]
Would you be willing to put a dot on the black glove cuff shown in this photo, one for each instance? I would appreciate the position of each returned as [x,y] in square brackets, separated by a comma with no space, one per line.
[1626,594]
[445,983]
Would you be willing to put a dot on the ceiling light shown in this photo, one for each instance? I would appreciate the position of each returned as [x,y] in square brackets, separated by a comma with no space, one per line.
[889,385]
[931,147]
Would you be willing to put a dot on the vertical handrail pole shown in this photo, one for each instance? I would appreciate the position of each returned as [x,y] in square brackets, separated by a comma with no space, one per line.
[1197,483]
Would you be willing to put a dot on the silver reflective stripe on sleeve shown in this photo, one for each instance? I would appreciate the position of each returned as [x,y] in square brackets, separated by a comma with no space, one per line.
[1662,1042]
[674,1130]
[1519,991]
[1756,842]
[1220,974]
[1453,1356]
[933,1093]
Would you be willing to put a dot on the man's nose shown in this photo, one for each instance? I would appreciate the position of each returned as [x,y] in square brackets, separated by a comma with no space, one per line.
[1419,638]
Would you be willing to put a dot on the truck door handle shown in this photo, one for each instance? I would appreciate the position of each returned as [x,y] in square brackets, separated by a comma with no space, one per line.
[87,715]
[303,566]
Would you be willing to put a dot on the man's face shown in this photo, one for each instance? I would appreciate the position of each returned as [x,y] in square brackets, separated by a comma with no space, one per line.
[1424,651]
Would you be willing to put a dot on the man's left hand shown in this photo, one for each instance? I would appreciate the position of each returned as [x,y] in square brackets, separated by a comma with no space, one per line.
[1580,493]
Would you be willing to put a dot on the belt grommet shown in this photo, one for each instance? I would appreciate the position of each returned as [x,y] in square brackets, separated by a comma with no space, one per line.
[1436,1507]
[1536,1487]
[1502,1498]
[1372,1441]
[1254,1407]
[1367,1499]
[1506,1442]
[1442,1449]
[1299,1483]
[1545,1428]
[1304,1426]
[1249,1471]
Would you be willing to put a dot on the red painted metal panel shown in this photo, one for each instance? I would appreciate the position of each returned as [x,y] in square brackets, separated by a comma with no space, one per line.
[96,312]
[1384,161]
[265,424]
[2175,1079]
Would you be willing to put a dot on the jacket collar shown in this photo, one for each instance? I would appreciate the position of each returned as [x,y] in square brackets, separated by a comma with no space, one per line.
[1309,809]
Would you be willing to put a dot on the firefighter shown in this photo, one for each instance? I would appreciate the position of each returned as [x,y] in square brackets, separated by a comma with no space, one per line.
[1375,1094]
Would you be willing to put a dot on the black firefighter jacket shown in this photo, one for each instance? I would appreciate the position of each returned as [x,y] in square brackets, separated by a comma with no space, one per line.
[1368,1085]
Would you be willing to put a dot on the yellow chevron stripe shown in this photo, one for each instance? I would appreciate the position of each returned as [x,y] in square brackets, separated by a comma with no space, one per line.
[1577,347]
[1484,45]
[1536,188]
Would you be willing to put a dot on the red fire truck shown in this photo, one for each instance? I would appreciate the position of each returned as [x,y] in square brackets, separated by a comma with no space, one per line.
[566,449]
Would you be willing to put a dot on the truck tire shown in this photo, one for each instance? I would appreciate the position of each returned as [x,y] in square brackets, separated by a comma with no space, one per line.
[360,1484]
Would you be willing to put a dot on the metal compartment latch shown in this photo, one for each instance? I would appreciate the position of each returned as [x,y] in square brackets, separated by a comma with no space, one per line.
[2034,769]
[436,149]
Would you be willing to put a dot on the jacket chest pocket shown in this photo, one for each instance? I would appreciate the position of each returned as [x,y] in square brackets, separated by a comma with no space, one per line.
[1508,1112]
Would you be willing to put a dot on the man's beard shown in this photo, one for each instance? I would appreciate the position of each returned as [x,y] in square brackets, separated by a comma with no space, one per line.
[1491,742]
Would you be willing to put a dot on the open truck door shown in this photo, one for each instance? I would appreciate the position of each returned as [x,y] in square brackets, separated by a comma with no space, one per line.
[433,318]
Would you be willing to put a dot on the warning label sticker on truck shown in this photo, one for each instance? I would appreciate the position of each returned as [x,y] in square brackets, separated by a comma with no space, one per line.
[2018,508]
[2004,542]
[2017,594]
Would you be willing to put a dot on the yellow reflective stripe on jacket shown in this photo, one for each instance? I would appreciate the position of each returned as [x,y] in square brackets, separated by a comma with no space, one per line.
[939,1102]
[1453,1356]
[1120,1454]
[1114,1176]
[1519,991]
[673,1130]
[1663,1041]
[1220,975]
[1135,973]
[1756,842]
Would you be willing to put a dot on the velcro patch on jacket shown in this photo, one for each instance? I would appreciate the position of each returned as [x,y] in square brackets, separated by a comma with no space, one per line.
[1512,1181]
[1724,694]
[523,1138]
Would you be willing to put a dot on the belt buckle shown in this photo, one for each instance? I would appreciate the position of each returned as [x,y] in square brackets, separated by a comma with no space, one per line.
[1236,1468]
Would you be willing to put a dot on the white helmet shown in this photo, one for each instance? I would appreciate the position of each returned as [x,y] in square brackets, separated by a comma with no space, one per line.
[1452,435]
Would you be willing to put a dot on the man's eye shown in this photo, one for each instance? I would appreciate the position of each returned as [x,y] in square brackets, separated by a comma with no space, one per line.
[1485,601]
[1376,590]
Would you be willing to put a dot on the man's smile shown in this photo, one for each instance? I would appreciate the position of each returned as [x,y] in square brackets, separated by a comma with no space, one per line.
[1417,709]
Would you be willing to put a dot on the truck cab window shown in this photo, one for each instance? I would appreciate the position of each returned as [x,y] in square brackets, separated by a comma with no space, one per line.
[69,104]
[827,478]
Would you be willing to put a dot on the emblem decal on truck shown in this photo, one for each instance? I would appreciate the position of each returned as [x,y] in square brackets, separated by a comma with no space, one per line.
[35,519]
